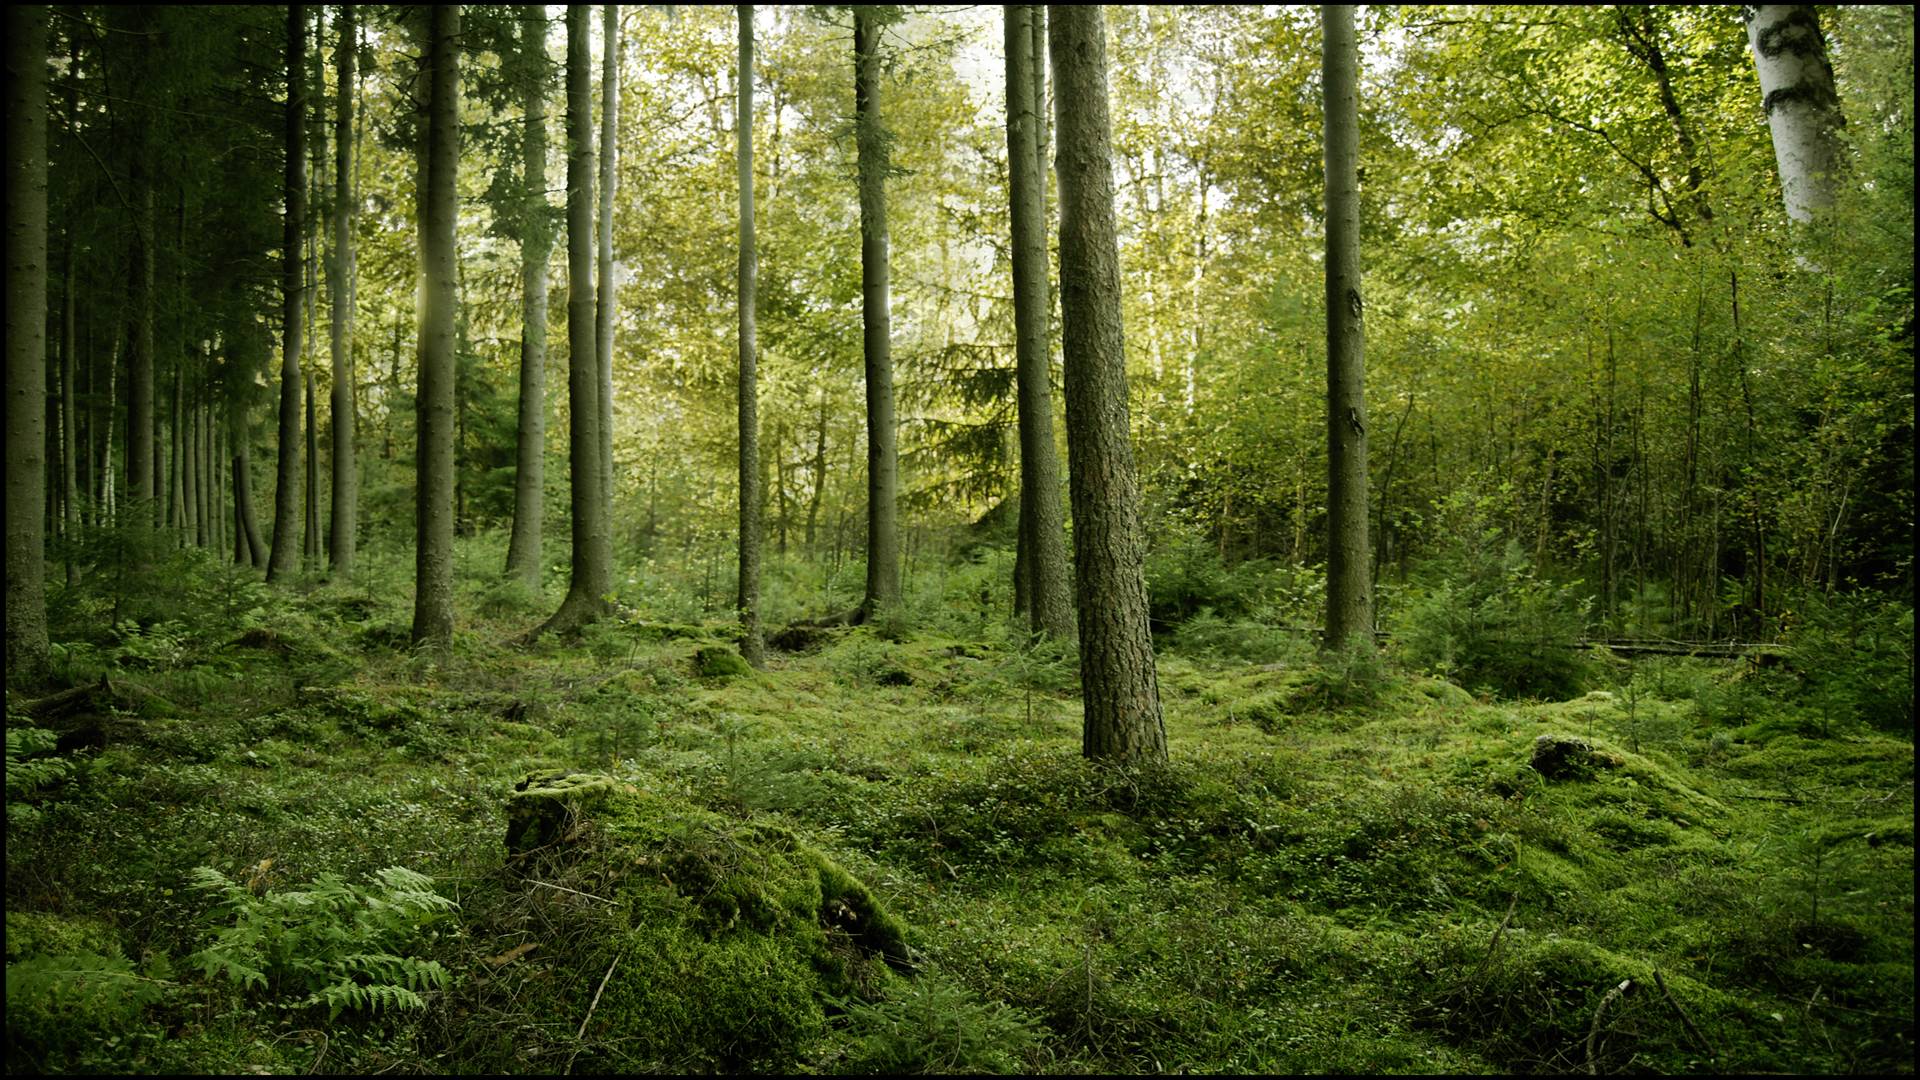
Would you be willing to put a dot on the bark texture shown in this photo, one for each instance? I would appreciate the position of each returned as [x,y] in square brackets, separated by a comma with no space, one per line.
[752,640]
[609,146]
[1803,112]
[536,243]
[1349,584]
[26,51]
[433,508]
[1117,678]
[883,462]
[285,557]
[1042,561]
[592,569]
[344,526]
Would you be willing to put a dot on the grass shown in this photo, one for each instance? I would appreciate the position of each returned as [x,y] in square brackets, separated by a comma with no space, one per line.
[1321,880]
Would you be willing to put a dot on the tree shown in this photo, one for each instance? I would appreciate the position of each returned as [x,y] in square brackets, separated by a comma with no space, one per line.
[286,490]
[592,565]
[752,641]
[143,463]
[609,147]
[536,243]
[1121,690]
[26,342]
[1349,588]
[883,462]
[433,507]
[1803,112]
[341,536]
[1043,555]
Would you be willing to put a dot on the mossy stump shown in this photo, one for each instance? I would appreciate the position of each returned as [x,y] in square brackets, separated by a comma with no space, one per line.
[719,662]
[545,807]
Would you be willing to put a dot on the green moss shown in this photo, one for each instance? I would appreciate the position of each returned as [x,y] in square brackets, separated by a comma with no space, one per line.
[719,662]
[37,933]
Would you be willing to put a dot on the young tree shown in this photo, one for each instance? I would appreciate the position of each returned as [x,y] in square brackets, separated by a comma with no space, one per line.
[609,147]
[752,642]
[1043,555]
[592,570]
[1349,588]
[26,52]
[1803,112]
[433,508]
[536,242]
[1117,679]
[286,491]
[883,463]
[346,474]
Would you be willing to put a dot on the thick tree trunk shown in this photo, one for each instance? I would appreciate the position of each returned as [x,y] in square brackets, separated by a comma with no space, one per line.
[285,557]
[536,242]
[592,569]
[26,52]
[1042,565]
[752,641]
[609,148]
[1803,112]
[1349,588]
[433,508]
[343,527]
[1118,683]
[883,476]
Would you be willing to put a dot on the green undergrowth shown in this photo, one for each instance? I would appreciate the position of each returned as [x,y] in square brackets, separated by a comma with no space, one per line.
[886,854]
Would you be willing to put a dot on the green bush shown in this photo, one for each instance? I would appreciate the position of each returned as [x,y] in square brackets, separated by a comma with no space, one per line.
[1855,658]
[932,1025]
[1185,576]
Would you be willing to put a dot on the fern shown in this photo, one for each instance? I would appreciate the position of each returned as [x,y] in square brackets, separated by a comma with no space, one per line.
[28,775]
[330,943]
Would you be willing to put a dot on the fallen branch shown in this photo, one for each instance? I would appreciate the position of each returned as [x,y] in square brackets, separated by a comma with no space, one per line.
[1684,1018]
[1494,945]
[1593,1030]
[582,1033]
[576,892]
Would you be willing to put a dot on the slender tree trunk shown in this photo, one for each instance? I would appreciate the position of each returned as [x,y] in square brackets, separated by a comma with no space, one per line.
[242,360]
[177,444]
[536,243]
[344,524]
[142,460]
[26,52]
[284,558]
[1043,556]
[752,642]
[433,511]
[592,569]
[1349,588]
[819,476]
[883,541]
[69,399]
[1803,112]
[1118,683]
[609,149]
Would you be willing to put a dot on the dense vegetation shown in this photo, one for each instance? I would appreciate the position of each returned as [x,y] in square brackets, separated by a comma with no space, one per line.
[849,715]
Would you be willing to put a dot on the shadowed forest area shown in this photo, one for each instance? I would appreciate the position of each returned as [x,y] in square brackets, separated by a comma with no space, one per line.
[1001,539]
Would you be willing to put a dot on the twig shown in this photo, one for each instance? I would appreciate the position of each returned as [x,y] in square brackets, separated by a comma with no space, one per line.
[1684,1018]
[1593,1031]
[575,892]
[1494,945]
[584,1021]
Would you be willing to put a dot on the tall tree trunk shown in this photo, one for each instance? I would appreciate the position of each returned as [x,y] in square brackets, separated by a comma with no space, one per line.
[883,541]
[752,643]
[1803,112]
[1349,584]
[177,444]
[26,50]
[286,490]
[344,524]
[433,509]
[243,347]
[536,243]
[1117,678]
[142,460]
[69,399]
[819,475]
[1043,555]
[592,569]
[609,154]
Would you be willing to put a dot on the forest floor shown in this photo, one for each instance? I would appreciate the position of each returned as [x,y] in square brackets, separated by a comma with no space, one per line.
[1338,871]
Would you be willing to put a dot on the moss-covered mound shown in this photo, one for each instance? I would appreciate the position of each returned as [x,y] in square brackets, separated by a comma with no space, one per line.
[726,943]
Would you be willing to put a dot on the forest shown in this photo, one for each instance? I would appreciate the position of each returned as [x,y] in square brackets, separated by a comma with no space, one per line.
[959,539]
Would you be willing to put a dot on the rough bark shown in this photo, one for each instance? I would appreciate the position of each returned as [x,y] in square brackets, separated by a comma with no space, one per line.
[753,645]
[242,359]
[286,491]
[1118,683]
[1803,112]
[26,52]
[433,508]
[883,468]
[1349,585]
[344,525]
[536,243]
[1042,563]
[609,147]
[592,565]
